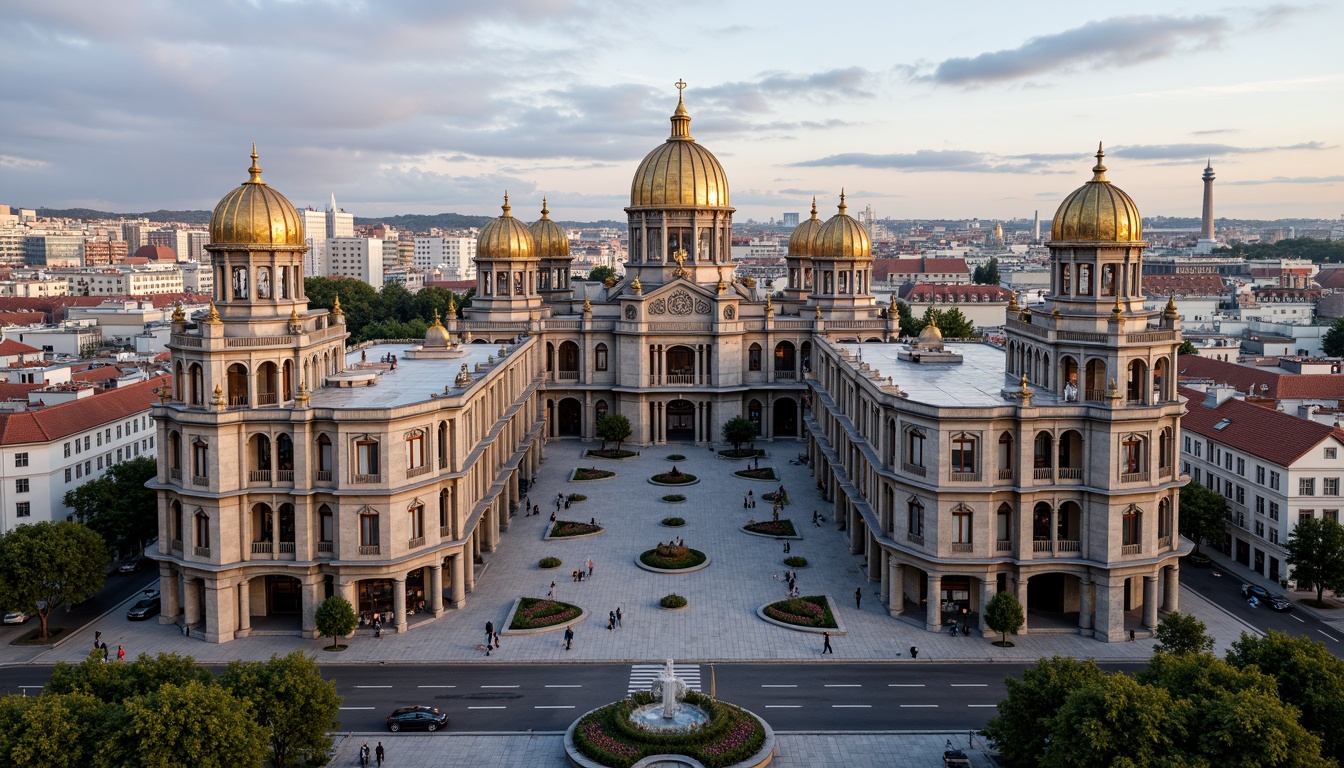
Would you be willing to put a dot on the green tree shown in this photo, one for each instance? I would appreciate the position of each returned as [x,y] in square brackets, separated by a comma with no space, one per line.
[1186,348]
[1332,343]
[987,273]
[908,324]
[1307,676]
[739,430]
[47,565]
[115,683]
[613,428]
[359,301]
[51,730]
[1202,512]
[1116,721]
[394,302]
[1021,730]
[954,325]
[118,506]
[292,705]
[1316,552]
[1004,615]
[1181,633]
[197,724]
[601,274]
[335,618]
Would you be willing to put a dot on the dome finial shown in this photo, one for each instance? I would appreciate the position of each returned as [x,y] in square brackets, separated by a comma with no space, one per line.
[681,119]
[545,212]
[506,207]
[814,206]
[1099,170]
[254,171]
[843,207]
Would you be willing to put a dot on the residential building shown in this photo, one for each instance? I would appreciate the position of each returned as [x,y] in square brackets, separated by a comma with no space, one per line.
[358,258]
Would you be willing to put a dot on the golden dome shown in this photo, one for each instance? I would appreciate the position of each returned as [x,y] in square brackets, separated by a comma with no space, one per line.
[1098,211]
[437,335]
[506,237]
[803,241]
[256,215]
[680,172]
[930,333]
[551,240]
[842,237]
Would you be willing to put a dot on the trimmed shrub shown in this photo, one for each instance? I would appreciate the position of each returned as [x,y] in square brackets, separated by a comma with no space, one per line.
[536,614]
[811,611]
[676,457]
[673,522]
[764,473]
[673,601]
[742,453]
[674,497]
[549,562]
[675,477]
[772,528]
[575,498]
[794,561]
[612,453]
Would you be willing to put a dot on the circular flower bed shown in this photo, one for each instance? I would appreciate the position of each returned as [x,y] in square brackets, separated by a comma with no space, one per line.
[673,601]
[549,562]
[563,528]
[676,457]
[673,522]
[764,473]
[772,528]
[612,453]
[795,561]
[537,614]
[575,498]
[607,735]
[670,557]
[811,611]
[674,498]
[742,453]
[592,473]
[675,477]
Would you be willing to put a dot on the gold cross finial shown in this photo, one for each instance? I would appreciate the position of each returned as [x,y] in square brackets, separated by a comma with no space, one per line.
[681,86]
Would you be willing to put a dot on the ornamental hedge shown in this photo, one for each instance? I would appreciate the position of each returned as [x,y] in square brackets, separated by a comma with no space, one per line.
[742,453]
[612,453]
[690,559]
[772,528]
[673,498]
[811,611]
[575,498]
[674,522]
[795,561]
[675,477]
[592,473]
[549,562]
[533,613]
[673,601]
[607,735]
[676,457]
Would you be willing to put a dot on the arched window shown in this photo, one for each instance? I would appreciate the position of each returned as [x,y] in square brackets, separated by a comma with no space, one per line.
[600,409]
[754,357]
[261,455]
[284,455]
[175,454]
[1165,444]
[178,381]
[443,445]
[324,457]
[237,381]
[1131,527]
[1040,521]
[196,384]
[175,524]
[1163,519]
[326,529]
[1006,456]
[914,520]
[1042,450]
[785,361]
[754,414]
[600,357]
[1003,525]
[201,533]
[368,531]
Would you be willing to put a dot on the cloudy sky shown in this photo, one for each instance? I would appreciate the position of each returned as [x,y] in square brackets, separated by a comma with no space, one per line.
[953,109]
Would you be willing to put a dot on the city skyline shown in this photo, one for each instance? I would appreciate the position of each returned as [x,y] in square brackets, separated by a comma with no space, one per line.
[993,112]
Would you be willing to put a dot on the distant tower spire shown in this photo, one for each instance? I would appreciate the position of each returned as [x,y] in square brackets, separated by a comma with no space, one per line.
[332,207]
[1206,241]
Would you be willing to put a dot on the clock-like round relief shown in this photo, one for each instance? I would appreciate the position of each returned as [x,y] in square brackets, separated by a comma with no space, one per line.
[728,313]
[629,312]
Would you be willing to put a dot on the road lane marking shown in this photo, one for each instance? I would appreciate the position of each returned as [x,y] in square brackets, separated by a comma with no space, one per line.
[905,685]
[499,686]
[982,705]
[1304,621]
[919,706]
[970,685]
[554,706]
[783,706]
[1332,638]
[766,685]
[436,686]
[373,686]
[356,707]
[851,706]
[485,707]
[564,686]
[843,685]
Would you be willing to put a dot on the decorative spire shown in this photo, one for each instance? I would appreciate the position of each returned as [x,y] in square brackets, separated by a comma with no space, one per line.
[814,206]
[508,209]
[1099,170]
[294,314]
[587,307]
[1117,311]
[254,172]
[843,207]
[545,212]
[213,317]
[179,315]
[452,305]
[336,307]
[1012,301]
[636,287]
[681,119]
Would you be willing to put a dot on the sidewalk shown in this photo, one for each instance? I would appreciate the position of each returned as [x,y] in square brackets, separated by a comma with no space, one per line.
[720,624]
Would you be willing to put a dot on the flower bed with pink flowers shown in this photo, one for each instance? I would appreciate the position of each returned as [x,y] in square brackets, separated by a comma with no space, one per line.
[811,611]
[732,735]
[535,614]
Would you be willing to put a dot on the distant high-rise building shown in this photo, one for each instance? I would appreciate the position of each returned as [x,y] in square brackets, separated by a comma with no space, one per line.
[1036,227]
[360,258]
[133,232]
[102,253]
[791,219]
[196,240]
[339,223]
[1206,241]
[457,255]
[53,251]
[315,234]
[175,239]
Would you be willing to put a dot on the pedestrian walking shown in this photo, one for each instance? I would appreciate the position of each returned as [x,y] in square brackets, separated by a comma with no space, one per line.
[551,594]
[858,597]
[965,630]
[121,653]
[618,615]
[827,648]
[489,628]
[379,753]
[97,635]
[914,652]
[364,754]
[569,638]
[590,567]
[611,620]
[104,647]
[775,512]
[553,516]
[746,504]
[496,639]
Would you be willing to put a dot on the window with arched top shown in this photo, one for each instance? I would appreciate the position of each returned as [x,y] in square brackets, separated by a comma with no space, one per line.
[326,528]
[1003,526]
[600,357]
[175,523]
[1131,526]
[754,357]
[914,518]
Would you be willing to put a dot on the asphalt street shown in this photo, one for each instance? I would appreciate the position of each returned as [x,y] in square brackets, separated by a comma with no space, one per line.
[1222,586]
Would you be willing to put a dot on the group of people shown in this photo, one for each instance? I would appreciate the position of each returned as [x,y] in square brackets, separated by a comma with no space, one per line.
[377,751]
[377,619]
[614,618]
[791,580]
[102,647]
[578,574]
[491,638]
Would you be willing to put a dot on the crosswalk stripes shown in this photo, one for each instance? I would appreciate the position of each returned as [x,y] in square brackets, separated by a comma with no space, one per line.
[644,675]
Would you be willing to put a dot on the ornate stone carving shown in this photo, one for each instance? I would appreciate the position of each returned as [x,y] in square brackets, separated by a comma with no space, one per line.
[658,307]
[629,312]
[680,303]
[729,313]
[701,307]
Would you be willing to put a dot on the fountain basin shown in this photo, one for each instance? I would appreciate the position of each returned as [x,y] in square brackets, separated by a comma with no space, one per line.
[685,718]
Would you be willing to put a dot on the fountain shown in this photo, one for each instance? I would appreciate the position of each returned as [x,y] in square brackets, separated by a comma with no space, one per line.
[671,715]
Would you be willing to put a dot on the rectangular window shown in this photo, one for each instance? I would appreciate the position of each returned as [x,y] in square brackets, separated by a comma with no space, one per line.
[1260,505]
[1330,486]
[914,447]
[1306,486]
[961,526]
[1196,475]
[366,452]
[1227,461]
[1187,444]
[368,529]
[79,471]
[1330,514]
[200,459]
[1259,529]
[107,435]
[1331,453]
[1199,451]
[415,452]
[86,443]
[118,455]
[67,450]
[23,509]
[1273,535]
[88,467]
[1241,467]
[100,462]
[600,357]
[1305,514]
[1260,474]
[100,438]
[21,485]
[1274,480]
[1273,510]
[417,521]
[1241,495]
[67,474]
[963,454]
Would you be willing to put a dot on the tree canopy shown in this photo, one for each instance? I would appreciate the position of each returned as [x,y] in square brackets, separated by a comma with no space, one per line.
[335,618]
[291,704]
[1332,343]
[1180,633]
[739,430]
[390,313]
[1202,512]
[1316,552]
[118,506]
[1306,676]
[1187,348]
[1004,614]
[987,273]
[47,565]
[613,428]
[1318,251]
[601,274]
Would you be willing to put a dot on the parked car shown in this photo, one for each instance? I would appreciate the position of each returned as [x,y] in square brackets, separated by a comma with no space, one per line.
[134,565]
[144,608]
[16,617]
[1199,560]
[417,719]
[1256,591]
[1280,603]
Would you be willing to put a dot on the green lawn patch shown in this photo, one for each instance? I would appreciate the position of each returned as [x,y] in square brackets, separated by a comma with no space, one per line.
[537,614]
[612,453]
[563,528]
[772,528]
[670,557]
[676,457]
[742,453]
[811,611]
[675,477]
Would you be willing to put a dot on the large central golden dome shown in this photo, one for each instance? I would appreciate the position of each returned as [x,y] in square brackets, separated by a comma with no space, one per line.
[680,173]
[256,215]
[1098,211]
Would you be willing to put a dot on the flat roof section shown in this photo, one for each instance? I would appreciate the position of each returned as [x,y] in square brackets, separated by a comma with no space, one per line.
[976,381]
[412,382]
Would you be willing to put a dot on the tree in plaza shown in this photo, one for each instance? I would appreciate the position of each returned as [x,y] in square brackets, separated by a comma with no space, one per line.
[47,565]
[1004,615]
[118,506]
[1307,676]
[1316,552]
[601,274]
[1202,512]
[739,430]
[1021,730]
[1333,341]
[1181,633]
[1115,720]
[197,724]
[1187,348]
[292,705]
[613,428]
[335,618]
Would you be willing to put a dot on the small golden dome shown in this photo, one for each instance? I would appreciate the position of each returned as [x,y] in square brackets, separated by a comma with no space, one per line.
[551,240]
[1098,211]
[680,172]
[254,214]
[930,333]
[842,237]
[437,335]
[506,238]
[803,241]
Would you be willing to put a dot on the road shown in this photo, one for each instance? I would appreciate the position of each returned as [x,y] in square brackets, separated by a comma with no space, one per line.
[117,589]
[1222,585]
[548,697]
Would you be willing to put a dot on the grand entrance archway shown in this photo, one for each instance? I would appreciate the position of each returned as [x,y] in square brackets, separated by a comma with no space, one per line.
[283,596]
[570,422]
[681,420]
[786,417]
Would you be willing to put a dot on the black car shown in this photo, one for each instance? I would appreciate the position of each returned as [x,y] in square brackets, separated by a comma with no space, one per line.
[417,719]
[1256,591]
[144,608]
[1280,603]
[1198,560]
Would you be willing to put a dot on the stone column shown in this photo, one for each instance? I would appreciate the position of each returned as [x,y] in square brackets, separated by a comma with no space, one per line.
[191,601]
[244,608]
[1150,601]
[458,599]
[883,556]
[1085,607]
[933,609]
[875,570]
[896,593]
[436,589]
[490,526]
[469,566]
[1022,598]
[218,612]
[308,601]
[984,603]
[1110,624]
[1171,590]
[399,602]
[170,587]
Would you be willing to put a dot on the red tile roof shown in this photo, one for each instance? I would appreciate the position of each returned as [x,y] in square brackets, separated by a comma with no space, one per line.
[1248,425]
[920,266]
[1184,285]
[1331,278]
[10,347]
[1261,382]
[954,294]
[96,375]
[67,419]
